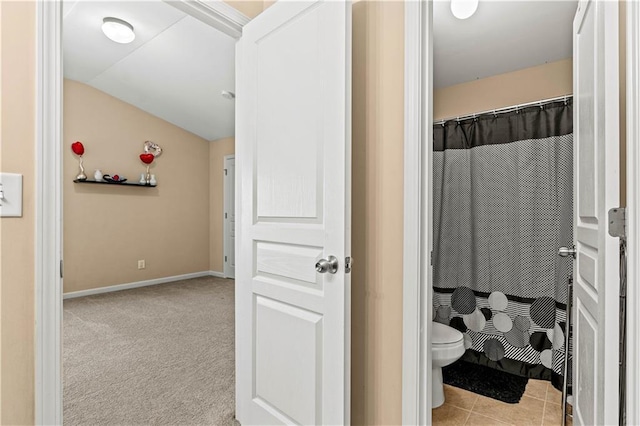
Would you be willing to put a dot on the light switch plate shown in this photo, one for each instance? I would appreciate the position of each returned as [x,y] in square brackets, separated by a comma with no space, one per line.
[10,195]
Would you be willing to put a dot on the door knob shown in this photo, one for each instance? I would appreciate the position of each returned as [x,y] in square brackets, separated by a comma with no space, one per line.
[329,265]
[566,251]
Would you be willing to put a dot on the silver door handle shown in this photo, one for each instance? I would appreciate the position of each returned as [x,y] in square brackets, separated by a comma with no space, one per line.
[566,251]
[329,265]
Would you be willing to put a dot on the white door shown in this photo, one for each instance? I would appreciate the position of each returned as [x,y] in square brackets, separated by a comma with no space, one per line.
[596,190]
[293,153]
[229,216]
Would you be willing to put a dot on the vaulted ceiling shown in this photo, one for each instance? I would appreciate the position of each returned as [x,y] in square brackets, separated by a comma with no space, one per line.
[176,68]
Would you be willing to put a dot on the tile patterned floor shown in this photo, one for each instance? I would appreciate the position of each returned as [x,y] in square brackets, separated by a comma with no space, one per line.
[540,405]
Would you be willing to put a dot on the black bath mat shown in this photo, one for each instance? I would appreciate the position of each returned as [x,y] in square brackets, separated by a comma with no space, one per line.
[485,381]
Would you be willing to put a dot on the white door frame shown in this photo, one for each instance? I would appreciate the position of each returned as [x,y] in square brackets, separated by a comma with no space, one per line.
[633,212]
[417,309]
[228,202]
[418,143]
[48,170]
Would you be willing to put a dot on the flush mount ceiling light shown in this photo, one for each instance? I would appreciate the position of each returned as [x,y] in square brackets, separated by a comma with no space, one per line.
[463,9]
[118,30]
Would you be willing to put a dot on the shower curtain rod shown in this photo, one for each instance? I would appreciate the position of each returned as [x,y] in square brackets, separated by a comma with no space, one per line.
[505,109]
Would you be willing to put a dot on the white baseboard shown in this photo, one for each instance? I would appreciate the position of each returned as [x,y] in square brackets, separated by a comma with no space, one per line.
[138,284]
[217,274]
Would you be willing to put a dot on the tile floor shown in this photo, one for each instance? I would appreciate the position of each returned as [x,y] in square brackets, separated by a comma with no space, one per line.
[540,405]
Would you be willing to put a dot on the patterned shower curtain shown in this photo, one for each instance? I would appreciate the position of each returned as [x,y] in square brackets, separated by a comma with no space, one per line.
[503,205]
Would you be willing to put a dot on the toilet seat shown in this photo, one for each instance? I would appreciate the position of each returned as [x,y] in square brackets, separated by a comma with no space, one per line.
[443,335]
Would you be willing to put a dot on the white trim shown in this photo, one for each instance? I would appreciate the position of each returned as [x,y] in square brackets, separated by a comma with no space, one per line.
[48,243]
[633,212]
[416,341]
[48,203]
[138,284]
[217,274]
[229,198]
[215,13]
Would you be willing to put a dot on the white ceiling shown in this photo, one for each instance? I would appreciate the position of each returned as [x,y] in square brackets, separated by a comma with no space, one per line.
[175,69]
[177,66]
[502,36]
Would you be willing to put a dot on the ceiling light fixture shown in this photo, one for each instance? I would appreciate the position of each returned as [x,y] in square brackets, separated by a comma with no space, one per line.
[118,30]
[463,9]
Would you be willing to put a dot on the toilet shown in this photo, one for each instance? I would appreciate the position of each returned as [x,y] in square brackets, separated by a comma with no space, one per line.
[447,346]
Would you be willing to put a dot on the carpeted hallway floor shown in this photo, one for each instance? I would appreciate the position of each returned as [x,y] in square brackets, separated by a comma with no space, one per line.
[161,355]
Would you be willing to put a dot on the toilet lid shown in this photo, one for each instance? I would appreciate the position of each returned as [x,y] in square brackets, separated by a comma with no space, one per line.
[443,334]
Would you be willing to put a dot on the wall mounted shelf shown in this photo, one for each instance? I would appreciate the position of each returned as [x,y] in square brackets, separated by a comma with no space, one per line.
[127,183]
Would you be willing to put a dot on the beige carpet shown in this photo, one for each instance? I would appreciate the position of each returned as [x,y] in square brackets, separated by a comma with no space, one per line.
[161,355]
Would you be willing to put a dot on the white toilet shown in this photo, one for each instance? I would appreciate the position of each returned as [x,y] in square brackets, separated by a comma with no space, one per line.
[447,346]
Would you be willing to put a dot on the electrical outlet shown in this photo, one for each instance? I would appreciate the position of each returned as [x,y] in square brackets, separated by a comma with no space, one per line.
[141,264]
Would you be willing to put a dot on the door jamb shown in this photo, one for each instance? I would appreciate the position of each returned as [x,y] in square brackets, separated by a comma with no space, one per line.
[227,203]
[417,278]
[633,212]
[48,206]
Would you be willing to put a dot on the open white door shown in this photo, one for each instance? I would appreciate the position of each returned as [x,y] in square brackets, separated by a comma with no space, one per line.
[596,190]
[230,216]
[293,159]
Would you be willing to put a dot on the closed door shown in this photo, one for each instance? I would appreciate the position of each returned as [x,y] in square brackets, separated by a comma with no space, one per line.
[229,216]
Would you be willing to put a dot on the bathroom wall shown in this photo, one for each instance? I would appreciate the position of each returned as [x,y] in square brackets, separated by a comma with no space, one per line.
[503,90]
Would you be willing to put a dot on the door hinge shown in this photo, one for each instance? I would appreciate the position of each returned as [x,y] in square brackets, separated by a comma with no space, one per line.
[225,258]
[348,261]
[225,215]
[61,268]
[431,259]
[618,222]
[225,172]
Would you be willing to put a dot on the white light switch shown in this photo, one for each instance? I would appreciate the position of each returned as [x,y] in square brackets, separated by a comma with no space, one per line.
[10,195]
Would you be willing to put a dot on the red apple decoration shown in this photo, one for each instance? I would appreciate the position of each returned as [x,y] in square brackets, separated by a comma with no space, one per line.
[77,148]
[147,158]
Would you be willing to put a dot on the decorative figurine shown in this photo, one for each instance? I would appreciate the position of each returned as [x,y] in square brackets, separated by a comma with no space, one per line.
[98,175]
[147,158]
[153,180]
[143,180]
[78,149]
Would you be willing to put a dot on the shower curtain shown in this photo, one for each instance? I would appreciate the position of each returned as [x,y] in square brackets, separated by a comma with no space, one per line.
[503,205]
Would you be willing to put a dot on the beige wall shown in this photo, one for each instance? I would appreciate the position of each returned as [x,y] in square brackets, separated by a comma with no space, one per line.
[378,70]
[251,8]
[108,228]
[217,151]
[17,33]
[513,88]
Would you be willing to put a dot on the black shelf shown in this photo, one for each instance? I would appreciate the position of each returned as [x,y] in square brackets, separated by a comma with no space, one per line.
[127,183]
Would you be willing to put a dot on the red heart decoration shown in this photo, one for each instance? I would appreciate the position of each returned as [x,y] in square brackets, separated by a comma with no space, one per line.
[77,148]
[116,178]
[147,158]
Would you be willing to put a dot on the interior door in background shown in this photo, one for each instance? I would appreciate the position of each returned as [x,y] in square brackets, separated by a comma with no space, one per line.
[596,190]
[293,158]
[230,216]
